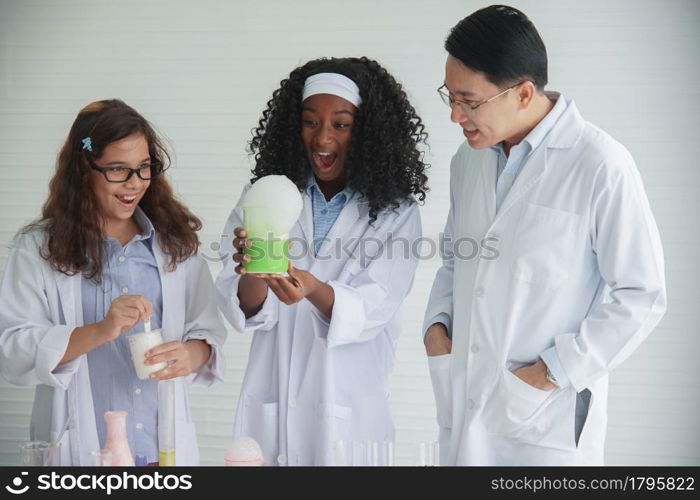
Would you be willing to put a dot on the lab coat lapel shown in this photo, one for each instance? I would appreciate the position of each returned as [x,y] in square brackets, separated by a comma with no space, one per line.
[565,134]
[167,289]
[71,298]
[486,203]
[174,301]
[306,219]
[529,176]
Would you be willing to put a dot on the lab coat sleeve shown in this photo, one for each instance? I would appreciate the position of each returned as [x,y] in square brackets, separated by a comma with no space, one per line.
[368,300]
[551,359]
[228,281]
[440,300]
[440,318]
[203,322]
[31,344]
[628,250]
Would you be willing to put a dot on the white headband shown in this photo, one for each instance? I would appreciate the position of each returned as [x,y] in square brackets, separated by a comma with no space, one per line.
[332,83]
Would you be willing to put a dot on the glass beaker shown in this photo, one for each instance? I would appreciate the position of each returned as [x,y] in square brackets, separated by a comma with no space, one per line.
[40,454]
[140,344]
[269,253]
[102,458]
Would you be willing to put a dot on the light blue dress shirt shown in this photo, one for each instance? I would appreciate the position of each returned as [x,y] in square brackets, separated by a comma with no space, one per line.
[509,166]
[127,270]
[325,213]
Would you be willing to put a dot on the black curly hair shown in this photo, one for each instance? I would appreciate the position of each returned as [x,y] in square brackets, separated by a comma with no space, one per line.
[384,164]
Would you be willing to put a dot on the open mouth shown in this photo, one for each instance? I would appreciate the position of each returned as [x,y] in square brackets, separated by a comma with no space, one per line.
[470,133]
[127,200]
[324,161]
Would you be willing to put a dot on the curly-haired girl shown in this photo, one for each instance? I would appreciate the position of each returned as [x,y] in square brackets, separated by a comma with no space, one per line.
[113,247]
[317,379]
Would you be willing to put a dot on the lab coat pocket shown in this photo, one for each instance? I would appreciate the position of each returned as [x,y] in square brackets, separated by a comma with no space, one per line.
[514,406]
[439,367]
[337,419]
[544,245]
[260,422]
[333,427]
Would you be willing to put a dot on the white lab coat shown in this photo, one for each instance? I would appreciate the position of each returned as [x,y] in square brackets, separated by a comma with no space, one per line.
[573,259]
[309,381]
[40,307]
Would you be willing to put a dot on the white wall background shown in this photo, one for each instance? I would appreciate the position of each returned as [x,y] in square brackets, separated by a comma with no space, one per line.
[202,71]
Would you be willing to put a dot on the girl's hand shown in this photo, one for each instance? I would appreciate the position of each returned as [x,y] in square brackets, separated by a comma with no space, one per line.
[123,314]
[185,358]
[293,288]
[240,242]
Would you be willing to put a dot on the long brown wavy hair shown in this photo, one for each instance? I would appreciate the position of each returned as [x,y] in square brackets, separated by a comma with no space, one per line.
[70,216]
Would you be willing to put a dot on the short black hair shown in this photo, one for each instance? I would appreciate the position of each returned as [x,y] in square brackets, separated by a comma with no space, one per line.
[503,44]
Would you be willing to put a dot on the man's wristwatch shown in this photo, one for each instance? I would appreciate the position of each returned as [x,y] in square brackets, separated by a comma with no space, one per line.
[550,377]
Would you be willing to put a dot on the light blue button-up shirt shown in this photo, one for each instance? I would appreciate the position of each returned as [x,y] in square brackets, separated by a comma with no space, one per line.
[127,270]
[509,166]
[325,213]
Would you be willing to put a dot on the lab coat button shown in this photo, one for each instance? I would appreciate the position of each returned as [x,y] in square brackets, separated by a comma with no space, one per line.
[125,290]
[282,459]
[479,292]
[471,404]
[293,403]
[139,425]
[121,258]
[138,390]
[475,348]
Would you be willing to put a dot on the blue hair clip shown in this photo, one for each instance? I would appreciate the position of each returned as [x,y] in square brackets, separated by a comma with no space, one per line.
[87,144]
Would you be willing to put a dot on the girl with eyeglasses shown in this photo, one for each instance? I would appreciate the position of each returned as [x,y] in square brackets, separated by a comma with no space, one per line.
[112,249]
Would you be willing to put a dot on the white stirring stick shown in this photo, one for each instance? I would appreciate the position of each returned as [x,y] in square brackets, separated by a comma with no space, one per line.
[54,444]
[147,329]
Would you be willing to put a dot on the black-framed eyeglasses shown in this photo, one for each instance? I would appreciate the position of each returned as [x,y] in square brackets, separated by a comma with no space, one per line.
[145,172]
[468,107]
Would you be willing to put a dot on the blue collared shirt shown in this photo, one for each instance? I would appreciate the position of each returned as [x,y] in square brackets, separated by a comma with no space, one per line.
[130,270]
[508,169]
[325,213]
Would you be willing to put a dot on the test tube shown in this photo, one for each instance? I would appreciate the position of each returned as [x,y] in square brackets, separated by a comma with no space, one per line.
[388,453]
[339,453]
[101,458]
[166,422]
[375,454]
[428,454]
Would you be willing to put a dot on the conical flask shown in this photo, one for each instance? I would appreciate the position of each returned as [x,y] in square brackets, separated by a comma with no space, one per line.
[117,441]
